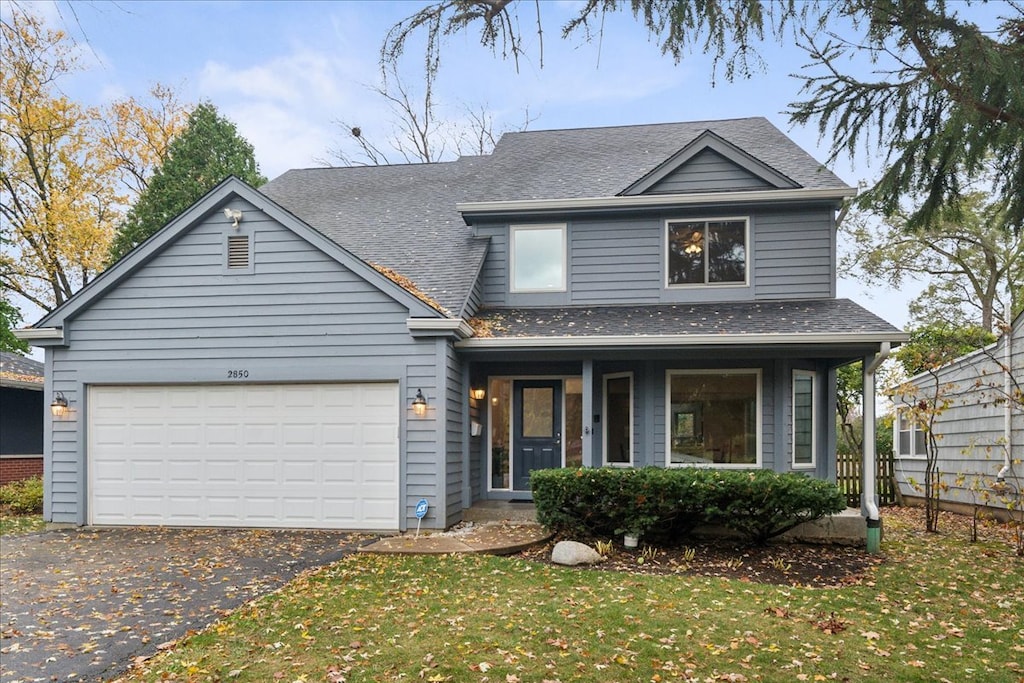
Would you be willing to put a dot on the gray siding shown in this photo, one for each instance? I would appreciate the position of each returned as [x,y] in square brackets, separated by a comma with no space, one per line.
[455,401]
[299,316]
[709,171]
[619,261]
[971,431]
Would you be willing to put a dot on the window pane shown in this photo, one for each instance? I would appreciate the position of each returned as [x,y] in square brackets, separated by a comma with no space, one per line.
[617,421]
[538,417]
[904,446]
[713,418]
[727,251]
[500,392]
[685,253]
[919,442]
[539,259]
[803,419]
[573,422]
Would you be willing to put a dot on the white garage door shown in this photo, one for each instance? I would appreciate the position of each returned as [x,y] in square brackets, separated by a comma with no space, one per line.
[273,455]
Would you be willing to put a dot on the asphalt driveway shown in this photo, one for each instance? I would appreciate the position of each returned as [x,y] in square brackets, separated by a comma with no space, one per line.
[84,604]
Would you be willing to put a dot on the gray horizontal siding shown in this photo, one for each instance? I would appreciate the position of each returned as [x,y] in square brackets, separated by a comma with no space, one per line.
[708,171]
[455,399]
[621,261]
[298,316]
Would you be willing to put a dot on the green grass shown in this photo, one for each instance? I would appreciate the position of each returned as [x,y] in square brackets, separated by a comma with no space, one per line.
[20,524]
[937,609]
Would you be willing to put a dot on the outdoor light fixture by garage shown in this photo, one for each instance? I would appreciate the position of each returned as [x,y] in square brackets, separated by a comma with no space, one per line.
[419,404]
[478,394]
[59,407]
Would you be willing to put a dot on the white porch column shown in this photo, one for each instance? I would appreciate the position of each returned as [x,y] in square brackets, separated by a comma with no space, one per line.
[869,462]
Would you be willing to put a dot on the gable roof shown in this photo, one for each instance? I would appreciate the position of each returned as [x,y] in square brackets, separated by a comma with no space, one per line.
[213,202]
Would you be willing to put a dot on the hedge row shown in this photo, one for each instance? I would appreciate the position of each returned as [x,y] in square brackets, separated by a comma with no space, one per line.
[664,505]
[23,497]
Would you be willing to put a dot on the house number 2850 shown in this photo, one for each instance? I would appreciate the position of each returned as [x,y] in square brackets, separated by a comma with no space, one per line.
[238,374]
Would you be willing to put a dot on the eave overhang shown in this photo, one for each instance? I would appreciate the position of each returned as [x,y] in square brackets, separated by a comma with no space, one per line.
[41,336]
[519,207]
[676,341]
[439,327]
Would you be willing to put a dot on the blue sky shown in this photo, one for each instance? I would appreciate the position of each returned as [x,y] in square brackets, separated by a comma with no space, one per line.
[285,72]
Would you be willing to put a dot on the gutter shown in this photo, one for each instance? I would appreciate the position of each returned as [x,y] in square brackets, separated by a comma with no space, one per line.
[1008,413]
[884,338]
[870,464]
[652,201]
[31,334]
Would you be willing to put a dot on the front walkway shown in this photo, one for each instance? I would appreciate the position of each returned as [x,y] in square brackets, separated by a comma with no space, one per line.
[488,537]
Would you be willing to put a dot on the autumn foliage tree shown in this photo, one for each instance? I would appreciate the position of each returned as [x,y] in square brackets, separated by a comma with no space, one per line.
[66,171]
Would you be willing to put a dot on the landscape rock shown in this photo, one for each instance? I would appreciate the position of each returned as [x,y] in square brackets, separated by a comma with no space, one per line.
[571,553]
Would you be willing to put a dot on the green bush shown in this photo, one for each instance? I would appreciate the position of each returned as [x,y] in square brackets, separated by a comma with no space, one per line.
[664,505]
[764,504]
[23,497]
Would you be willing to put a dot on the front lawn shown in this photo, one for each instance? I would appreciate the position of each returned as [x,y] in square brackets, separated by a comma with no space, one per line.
[20,524]
[938,608]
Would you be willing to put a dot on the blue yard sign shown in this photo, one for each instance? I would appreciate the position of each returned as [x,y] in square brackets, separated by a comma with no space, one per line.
[421,512]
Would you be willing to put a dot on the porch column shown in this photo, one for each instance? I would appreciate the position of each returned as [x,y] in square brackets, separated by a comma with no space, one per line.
[588,413]
[869,464]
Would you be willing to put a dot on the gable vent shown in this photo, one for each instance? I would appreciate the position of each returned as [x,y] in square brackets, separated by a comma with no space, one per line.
[238,251]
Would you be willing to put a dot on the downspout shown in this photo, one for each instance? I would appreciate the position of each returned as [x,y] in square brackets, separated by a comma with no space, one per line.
[1008,413]
[874,522]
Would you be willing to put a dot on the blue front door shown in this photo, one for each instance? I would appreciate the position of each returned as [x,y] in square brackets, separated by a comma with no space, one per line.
[537,429]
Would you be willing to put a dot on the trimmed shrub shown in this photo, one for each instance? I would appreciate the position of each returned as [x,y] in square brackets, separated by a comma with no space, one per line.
[664,505]
[764,504]
[23,497]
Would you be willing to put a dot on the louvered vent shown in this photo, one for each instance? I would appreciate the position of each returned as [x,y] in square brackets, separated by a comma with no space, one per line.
[238,251]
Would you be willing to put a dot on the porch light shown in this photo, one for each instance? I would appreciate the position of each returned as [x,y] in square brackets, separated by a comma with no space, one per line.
[59,407]
[419,404]
[478,393]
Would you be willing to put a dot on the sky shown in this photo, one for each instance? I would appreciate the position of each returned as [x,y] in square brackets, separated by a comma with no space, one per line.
[287,72]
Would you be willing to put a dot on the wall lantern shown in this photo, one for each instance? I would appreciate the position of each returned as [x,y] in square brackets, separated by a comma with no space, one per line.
[419,404]
[59,407]
[478,394]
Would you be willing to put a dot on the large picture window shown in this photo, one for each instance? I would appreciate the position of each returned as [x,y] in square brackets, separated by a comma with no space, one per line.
[538,258]
[709,252]
[910,436]
[803,418]
[714,418]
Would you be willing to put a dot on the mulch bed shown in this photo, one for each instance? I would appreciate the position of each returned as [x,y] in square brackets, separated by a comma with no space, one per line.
[788,564]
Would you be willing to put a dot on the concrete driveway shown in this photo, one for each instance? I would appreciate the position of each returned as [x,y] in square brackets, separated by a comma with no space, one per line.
[84,604]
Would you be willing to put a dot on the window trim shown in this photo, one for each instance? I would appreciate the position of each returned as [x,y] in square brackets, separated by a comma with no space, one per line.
[714,219]
[604,413]
[902,416]
[759,422]
[512,230]
[814,421]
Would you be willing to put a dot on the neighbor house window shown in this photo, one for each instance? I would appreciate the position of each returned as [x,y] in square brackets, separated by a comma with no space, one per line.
[618,419]
[910,436]
[708,252]
[714,417]
[803,418]
[538,258]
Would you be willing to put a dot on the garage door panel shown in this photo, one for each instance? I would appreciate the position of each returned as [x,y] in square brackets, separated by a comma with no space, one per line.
[245,455]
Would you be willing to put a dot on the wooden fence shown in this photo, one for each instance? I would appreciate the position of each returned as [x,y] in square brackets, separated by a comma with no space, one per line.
[848,478]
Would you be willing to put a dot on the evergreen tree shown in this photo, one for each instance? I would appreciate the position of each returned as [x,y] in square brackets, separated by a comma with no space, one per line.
[208,150]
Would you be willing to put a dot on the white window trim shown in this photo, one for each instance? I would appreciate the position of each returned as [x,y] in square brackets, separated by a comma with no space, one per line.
[604,413]
[669,374]
[901,417]
[513,229]
[814,421]
[701,219]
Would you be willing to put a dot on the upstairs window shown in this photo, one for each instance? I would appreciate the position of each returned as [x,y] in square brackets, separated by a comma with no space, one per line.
[538,258]
[707,252]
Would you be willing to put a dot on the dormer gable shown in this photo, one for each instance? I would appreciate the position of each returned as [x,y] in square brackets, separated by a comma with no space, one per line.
[709,163]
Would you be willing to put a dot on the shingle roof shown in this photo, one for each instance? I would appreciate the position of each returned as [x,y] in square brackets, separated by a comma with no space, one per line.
[820,316]
[19,371]
[404,218]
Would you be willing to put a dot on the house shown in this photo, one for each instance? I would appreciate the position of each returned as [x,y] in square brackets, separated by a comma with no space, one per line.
[21,417]
[342,343]
[978,425]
